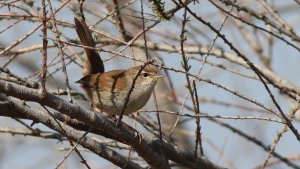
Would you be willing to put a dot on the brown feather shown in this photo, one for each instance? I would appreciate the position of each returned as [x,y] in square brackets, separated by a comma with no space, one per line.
[108,81]
[92,63]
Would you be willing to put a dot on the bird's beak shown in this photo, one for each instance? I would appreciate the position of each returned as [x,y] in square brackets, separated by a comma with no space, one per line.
[159,76]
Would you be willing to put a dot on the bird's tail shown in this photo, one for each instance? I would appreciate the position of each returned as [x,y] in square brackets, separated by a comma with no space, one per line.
[92,62]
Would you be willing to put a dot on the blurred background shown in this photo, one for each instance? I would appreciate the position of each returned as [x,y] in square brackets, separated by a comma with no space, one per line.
[237,119]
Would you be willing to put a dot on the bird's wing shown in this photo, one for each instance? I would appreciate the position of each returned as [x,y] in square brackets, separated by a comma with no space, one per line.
[113,81]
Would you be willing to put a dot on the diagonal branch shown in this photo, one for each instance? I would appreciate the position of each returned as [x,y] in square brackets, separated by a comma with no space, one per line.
[146,147]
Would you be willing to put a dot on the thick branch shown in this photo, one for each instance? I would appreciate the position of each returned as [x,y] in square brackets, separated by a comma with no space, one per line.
[17,105]
[144,146]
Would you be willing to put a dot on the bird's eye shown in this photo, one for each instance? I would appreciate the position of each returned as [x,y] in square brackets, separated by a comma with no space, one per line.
[145,74]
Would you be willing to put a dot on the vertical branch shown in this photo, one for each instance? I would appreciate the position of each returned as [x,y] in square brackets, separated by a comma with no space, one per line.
[144,32]
[64,69]
[187,67]
[198,126]
[154,93]
[270,40]
[120,22]
[44,50]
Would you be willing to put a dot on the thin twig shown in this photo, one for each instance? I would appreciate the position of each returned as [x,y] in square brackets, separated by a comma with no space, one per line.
[44,51]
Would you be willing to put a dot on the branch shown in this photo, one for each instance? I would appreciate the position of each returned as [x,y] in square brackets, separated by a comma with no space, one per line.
[144,146]
[17,105]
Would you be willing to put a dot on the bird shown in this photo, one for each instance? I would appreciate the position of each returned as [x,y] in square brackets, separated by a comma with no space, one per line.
[115,92]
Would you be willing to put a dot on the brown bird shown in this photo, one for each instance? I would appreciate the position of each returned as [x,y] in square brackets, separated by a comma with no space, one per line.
[108,91]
